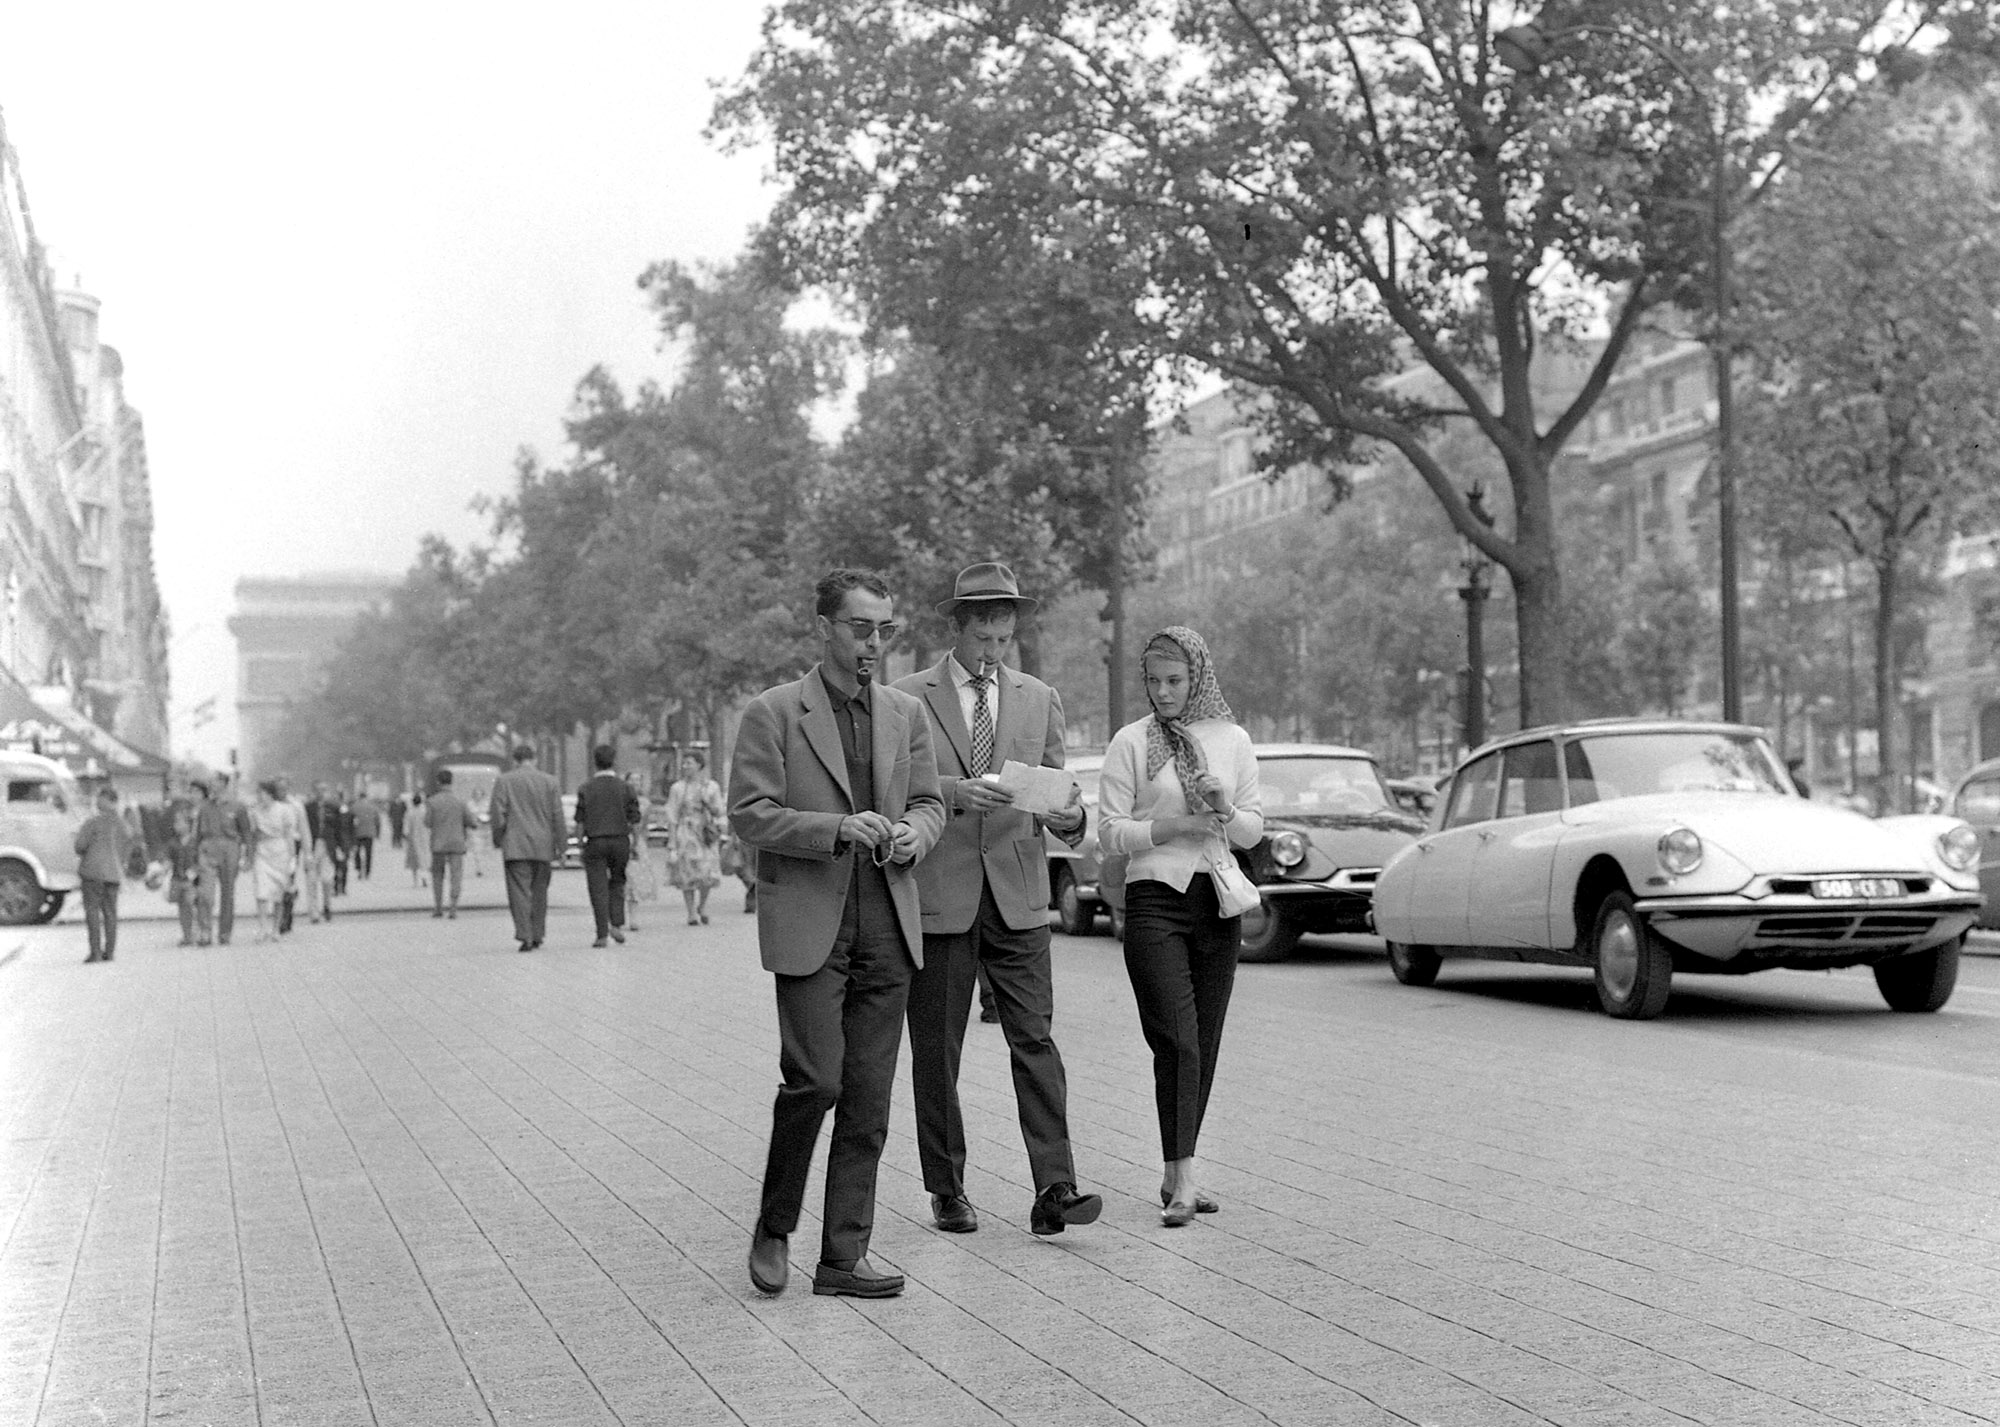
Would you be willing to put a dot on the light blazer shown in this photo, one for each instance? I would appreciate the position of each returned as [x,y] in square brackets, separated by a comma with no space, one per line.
[1004,847]
[788,792]
[527,816]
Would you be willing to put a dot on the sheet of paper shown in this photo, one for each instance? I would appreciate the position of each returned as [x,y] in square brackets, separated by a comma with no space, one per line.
[1037,790]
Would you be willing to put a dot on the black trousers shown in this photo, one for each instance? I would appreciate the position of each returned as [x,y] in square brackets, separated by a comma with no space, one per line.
[604,860]
[1017,965]
[364,857]
[1180,953]
[839,1033]
[100,917]
[528,897]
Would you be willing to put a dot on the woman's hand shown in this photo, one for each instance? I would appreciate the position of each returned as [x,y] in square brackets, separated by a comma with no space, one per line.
[1208,787]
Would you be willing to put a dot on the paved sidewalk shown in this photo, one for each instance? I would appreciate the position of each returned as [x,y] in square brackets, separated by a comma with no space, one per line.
[393,1172]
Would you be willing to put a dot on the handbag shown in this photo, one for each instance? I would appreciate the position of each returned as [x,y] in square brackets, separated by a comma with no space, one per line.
[1235,893]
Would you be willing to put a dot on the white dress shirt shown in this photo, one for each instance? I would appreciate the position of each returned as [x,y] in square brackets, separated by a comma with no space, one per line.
[1128,801]
[968,697]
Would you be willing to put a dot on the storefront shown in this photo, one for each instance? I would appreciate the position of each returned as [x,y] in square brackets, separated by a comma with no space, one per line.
[44,721]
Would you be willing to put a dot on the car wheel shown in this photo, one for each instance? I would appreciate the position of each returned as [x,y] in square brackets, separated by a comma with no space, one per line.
[1922,980]
[52,905]
[21,896]
[1414,965]
[1635,970]
[1268,933]
[1073,915]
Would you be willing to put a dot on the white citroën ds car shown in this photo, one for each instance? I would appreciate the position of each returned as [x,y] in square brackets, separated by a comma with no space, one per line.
[1642,848]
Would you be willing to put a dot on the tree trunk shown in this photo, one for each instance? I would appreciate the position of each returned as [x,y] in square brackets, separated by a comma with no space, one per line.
[1889,797]
[1028,641]
[1538,608]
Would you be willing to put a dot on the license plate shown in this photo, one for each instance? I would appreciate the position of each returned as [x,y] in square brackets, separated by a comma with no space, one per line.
[1847,888]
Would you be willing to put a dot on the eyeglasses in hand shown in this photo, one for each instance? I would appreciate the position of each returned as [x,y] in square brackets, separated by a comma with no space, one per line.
[865,629]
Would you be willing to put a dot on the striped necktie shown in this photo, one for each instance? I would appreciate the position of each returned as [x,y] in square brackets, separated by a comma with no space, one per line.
[982,726]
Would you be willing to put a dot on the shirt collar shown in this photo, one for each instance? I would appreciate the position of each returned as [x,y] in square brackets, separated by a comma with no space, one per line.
[841,700]
[962,676]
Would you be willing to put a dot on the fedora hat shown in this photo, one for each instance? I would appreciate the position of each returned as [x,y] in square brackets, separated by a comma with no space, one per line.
[988,580]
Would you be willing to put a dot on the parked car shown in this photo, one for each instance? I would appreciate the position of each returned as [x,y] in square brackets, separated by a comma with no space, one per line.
[1976,799]
[1330,824]
[1076,887]
[1642,848]
[38,825]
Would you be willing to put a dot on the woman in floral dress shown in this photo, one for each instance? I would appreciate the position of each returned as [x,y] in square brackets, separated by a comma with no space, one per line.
[696,818]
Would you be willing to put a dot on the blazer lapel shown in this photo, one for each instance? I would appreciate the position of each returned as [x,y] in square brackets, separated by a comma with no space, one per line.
[889,737]
[822,732]
[1013,713]
[942,695]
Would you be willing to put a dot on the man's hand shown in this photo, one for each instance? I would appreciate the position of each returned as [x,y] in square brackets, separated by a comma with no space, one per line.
[905,842]
[982,796]
[866,829]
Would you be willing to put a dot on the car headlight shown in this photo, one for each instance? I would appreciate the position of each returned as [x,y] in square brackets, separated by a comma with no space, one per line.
[1959,847]
[1288,849]
[1680,851]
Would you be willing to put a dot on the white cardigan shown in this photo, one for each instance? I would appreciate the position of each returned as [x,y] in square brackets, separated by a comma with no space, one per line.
[1128,801]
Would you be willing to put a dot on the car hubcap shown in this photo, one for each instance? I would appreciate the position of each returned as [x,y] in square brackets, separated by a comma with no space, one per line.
[1618,955]
[19,898]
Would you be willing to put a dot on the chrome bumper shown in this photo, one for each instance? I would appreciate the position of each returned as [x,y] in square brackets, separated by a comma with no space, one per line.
[1728,926]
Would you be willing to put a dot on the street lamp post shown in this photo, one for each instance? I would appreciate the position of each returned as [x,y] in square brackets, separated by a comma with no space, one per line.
[1525,49]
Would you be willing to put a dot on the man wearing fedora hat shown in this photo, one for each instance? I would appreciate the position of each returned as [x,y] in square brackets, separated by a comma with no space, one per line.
[984,889]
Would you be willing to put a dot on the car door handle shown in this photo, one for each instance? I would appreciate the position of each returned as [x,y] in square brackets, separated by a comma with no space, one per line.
[1486,836]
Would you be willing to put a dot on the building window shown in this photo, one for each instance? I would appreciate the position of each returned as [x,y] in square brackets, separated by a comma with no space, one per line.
[1667,397]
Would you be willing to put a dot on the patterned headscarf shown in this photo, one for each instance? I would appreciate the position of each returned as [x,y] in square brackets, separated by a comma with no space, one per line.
[1168,738]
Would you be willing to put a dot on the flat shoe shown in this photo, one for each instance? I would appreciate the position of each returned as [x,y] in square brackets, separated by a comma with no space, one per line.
[861,1281]
[1202,1203]
[770,1267]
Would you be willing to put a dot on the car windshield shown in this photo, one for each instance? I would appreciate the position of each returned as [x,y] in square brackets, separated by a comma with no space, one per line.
[1628,765]
[1321,785]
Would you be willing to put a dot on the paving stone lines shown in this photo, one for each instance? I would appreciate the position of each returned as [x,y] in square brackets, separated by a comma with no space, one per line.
[395,1173]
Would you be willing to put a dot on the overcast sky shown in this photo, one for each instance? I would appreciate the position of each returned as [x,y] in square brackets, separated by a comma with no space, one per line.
[355,256]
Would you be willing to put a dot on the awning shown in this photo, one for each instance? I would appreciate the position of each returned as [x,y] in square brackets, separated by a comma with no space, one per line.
[44,721]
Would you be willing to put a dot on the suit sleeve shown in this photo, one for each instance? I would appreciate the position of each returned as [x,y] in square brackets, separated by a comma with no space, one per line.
[1053,756]
[924,811]
[496,811]
[553,791]
[757,811]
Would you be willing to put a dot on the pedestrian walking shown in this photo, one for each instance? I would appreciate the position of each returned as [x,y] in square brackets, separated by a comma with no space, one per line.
[340,842]
[696,821]
[183,866]
[273,859]
[834,787]
[367,828]
[322,831]
[606,809]
[223,825]
[641,883]
[398,811]
[102,845]
[528,829]
[447,824]
[1179,790]
[416,841]
[985,895]
[301,834]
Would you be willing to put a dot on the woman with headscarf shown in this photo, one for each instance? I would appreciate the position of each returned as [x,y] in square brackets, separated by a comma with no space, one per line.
[1178,791]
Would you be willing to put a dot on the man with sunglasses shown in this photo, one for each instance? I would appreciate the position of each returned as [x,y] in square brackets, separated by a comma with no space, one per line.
[834,788]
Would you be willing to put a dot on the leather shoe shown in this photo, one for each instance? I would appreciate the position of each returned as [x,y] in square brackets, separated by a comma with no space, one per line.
[600,942]
[1060,1205]
[618,936]
[953,1213]
[770,1261]
[861,1281]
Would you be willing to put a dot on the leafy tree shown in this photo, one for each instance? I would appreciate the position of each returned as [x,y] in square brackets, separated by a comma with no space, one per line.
[1307,198]
[1878,409]
[1663,628]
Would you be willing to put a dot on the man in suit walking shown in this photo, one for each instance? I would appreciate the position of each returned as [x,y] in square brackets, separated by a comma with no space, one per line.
[606,808]
[834,788]
[985,892]
[528,829]
[450,822]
